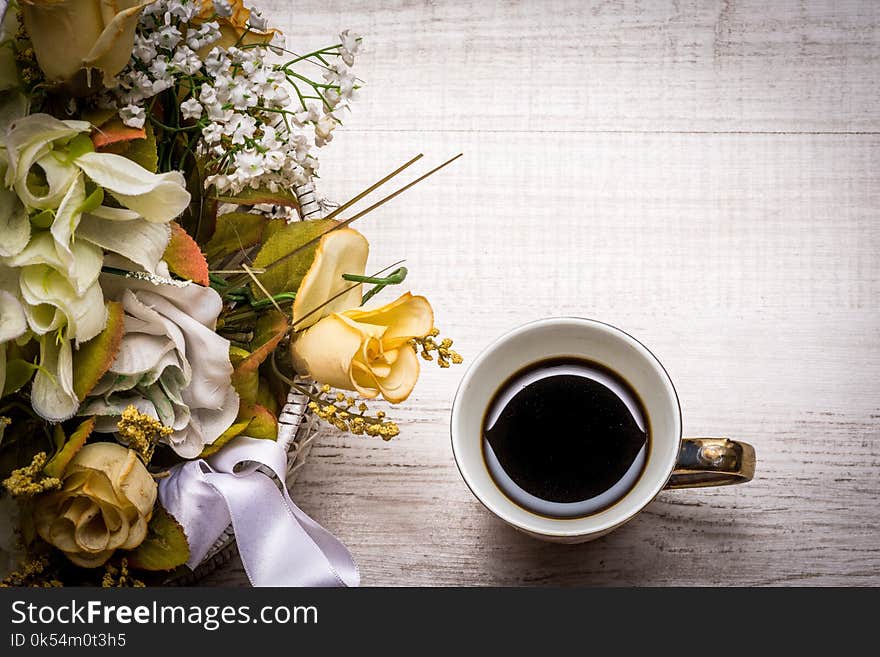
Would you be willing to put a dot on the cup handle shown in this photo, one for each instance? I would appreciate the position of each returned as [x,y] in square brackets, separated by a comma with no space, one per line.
[712,462]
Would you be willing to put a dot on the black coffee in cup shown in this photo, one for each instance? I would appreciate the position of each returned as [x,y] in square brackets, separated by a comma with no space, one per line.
[565,438]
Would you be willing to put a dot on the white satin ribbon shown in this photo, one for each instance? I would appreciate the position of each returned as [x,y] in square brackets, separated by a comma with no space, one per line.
[279,544]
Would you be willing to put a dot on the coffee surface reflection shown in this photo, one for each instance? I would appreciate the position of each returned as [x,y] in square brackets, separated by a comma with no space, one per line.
[565,438]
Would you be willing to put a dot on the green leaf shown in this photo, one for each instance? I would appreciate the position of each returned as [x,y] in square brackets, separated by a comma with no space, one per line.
[259,196]
[237,354]
[99,116]
[264,424]
[56,466]
[59,438]
[288,273]
[165,546]
[95,357]
[273,227]
[43,219]
[266,396]
[237,428]
[235,231]
[18,373]
[203,208]
[270,329]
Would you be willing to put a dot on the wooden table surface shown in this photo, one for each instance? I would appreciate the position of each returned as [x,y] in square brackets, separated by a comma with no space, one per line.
[704,175]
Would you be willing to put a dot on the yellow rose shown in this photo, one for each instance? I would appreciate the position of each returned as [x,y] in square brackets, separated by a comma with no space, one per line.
[104,504]
[367,350]
[348,347]
[73,36]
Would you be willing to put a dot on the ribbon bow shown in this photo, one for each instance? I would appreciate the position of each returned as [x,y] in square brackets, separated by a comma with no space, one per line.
[279,544]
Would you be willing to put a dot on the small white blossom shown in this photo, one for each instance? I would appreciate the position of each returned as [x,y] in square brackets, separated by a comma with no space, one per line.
[203,35]
[143,49]
[257,21]
[159,68]
[183,9]
[168,37]
[186,60]
[323,128]
[351,45]
[191,109]
[223,8]
[212,133]
[159,86]
[216,63]
[133,116]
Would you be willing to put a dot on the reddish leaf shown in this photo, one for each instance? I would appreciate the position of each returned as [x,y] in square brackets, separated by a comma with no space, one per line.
[114,132]
[185,258]
[94,358]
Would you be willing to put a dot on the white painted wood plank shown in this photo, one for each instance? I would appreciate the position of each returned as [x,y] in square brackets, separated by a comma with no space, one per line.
[616,167]
[569,66]
[747,263]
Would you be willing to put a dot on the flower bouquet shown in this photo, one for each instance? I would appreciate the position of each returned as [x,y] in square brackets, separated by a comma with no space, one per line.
[165,291]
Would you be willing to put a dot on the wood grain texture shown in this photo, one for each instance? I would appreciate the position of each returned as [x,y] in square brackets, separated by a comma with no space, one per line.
[703,175]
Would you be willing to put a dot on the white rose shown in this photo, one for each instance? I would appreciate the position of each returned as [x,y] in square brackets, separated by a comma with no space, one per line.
[171,364]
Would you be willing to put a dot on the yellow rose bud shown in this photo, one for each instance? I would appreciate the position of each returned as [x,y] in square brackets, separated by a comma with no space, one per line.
[104,504]
[367,350]
[82,43]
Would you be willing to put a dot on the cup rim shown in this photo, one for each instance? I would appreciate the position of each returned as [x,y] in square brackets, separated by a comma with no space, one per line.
[566,526]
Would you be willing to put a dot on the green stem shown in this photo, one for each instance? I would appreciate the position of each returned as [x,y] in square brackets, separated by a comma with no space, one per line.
[394,278]
[188,128]
[283,296]
[322,51]
[381,282]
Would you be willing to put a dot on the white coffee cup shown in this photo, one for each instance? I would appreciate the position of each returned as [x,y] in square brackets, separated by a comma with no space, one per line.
[672,462]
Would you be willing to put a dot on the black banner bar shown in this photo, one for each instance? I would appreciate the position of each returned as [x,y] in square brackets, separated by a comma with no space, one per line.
[463,621]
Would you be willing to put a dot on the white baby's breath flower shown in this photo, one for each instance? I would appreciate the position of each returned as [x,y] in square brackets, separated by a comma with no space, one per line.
[323,129]
[203,35]
[133,116]
[159,86]
[191,109]
[143,49]
[184,9]
[351,45]
[186,61]
[216,62]
[240,96]
[159,68]
[212,133]
[257,21]
[223,8]
[239,90]
[168,37]
[249,163]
